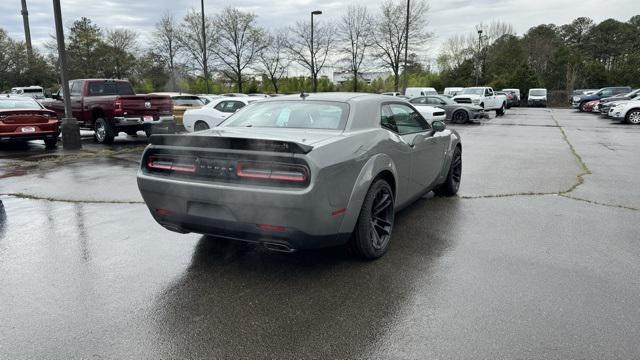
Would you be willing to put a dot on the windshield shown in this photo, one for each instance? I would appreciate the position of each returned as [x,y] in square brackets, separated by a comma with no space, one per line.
[187,101]
[19,104]
[537,93]
[473,91]
[303,114]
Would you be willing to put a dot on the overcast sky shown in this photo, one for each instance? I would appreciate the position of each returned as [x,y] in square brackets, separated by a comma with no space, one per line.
[444,19]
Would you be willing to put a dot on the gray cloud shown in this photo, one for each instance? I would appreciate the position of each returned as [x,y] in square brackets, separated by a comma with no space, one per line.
[445,18]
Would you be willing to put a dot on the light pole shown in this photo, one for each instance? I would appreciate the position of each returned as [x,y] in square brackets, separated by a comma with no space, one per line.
[27,31]
[406,45]
[69,127]
[479,55]
[314,82]
[204,47]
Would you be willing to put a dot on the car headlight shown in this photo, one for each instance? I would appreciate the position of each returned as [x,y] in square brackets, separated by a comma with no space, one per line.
[475,100]
[576,98]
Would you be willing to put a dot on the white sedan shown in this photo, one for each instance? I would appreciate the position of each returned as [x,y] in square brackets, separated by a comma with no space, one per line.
[431,113]
[215,112]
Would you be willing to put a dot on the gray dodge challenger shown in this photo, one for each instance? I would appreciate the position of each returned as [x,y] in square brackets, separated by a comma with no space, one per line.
[302,171]
[455,112]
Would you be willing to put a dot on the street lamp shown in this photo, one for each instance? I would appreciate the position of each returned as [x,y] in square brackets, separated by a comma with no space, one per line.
[69,127]
[406,45]
[478,69]
[314,81]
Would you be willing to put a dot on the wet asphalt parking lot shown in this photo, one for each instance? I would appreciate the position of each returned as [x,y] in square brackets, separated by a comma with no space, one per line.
[538,258]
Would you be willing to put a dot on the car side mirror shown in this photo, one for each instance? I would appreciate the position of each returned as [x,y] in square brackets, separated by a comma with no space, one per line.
[438,126]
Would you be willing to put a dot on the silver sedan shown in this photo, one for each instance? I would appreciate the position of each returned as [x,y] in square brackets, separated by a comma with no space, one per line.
[302,171]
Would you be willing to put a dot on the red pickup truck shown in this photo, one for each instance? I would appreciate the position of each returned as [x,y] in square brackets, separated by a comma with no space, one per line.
[111,106]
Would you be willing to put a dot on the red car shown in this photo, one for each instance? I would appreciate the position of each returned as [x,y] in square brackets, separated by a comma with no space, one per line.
[23,118]
[588,106]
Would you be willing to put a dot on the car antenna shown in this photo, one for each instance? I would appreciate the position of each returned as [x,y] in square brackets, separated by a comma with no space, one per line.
[303,95]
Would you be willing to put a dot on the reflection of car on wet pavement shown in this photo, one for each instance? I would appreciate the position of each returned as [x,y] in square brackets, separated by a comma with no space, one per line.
[302,171]
[23,118]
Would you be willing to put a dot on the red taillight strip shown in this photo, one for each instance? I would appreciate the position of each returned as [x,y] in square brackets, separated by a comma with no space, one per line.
[167,163]
[272,171]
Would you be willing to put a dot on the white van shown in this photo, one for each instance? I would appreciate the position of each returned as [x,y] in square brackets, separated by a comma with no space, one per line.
[36,92]
[452,91]
[420,91]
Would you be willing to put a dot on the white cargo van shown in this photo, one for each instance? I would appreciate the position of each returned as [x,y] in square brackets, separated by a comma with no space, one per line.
[420,91]
[36,92]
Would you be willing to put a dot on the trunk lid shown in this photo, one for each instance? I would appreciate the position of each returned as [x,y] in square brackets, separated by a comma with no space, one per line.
[145,104]
[26,116]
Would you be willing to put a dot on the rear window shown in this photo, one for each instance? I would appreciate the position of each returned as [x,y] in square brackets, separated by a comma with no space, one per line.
[31,91]
[537,92]
[304,114]
[103,88]
[187,101]
[19,104]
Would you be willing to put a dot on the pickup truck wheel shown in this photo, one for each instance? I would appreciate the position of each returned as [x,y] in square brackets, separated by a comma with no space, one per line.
[103,132]
[633,116]
[200,125]
[500,111]
[372,234]
[148,131]
[460,117]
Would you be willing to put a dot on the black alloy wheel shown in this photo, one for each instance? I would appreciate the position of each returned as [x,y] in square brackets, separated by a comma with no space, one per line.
[454,176]
[375,223]
[460,117]
[200,126]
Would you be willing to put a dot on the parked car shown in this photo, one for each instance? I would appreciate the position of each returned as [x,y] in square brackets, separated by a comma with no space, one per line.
[484,97]
[537,97]
[111,106]
[181,103]
[235,95]
[419,91]
[36,92]
[23,118]
[431,113]
[578,101]
[455,112]
[207,98]
[452,91]
[606,103]
[516,91]
[628,111]
[588,106]
[302,172]
[511,98]
[212,114]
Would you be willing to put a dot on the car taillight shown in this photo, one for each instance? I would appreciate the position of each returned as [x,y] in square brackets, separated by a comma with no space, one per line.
[169,163]
[117,107]
[272,171]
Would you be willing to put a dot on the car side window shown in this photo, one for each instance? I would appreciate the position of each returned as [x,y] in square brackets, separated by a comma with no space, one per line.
[237,105]
[433,101]
[76,88]
[225,106]
[403,119]
[488,92]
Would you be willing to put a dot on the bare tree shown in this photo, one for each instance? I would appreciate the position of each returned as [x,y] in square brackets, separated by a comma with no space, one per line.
[190,39]
[299,46]
[123,44]
[167,46]
[271,60]
[355,34]
[454,51]
[240,40]
[389,35]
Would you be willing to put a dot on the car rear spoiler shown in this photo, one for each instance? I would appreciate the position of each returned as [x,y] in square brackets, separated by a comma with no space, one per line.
[230,143]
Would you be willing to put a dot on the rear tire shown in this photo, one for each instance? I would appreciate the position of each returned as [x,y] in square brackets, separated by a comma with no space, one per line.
[104,133]
[500,111]
[452,183]
[583,106]
[460,117]
[51,143]
[200,126]
[372,234]
[633,117]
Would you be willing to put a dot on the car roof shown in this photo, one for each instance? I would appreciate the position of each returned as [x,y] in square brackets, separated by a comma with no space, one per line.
[15,97]
[334,96]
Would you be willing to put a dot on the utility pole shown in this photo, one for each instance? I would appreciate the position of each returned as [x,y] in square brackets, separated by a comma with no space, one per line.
[27,30]
[314,80]
[204,49]
[406,46]
[69,127]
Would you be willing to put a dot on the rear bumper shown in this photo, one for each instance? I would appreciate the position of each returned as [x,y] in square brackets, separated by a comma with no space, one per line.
[294,218]
[162,121]
[40,135]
